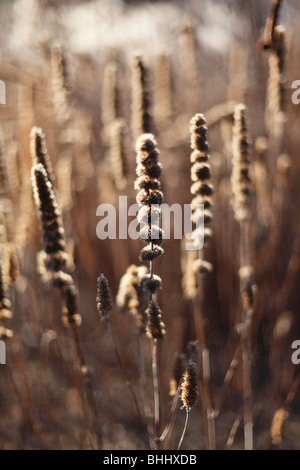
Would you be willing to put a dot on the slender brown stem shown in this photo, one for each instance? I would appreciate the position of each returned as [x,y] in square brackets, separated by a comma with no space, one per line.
[166,435]
[207,404]
[142,375]
[233,432]
[246,349]
[184,430]
[155,390]
[128,381]
[88,387]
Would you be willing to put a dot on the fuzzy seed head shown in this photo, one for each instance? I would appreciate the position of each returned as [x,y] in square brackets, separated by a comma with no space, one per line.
[240,179]
[155,326]
[103,298]
[189,389]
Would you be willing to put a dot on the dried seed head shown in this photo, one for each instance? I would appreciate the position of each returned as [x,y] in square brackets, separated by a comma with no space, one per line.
[5,333]
[163,93]
[277,426]
[202,267]
[5,303]
[131,295]
[189,389]
[11,262]
[117,154]
[240,179]
[151,283]
[149,194]
[189,278]
[155,326]
[149,253]
[39,152]
[58,82]
[200,170]
[202,191]
[110,95]
[61,279]
[276,81]
[71,317]
[103,299]
[53,232]
[129,288]
[140,104]
[188,54]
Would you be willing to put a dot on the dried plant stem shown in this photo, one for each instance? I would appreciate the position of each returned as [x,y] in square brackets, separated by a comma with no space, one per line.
[88,385]
[154,348]
[233,432]
[228,378]
[184,430]
[166,434]
[128,381]
[142,376]
[199,327]
[246,349]
[150,198]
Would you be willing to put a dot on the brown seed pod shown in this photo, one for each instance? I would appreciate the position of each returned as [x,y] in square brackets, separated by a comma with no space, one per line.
[240,179]
[70,306]
[103,299]
[189,389]
[53,232]
[39,152]
[155,326]
[140,99]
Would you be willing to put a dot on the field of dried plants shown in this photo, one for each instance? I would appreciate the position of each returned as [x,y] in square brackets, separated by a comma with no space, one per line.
[120,344]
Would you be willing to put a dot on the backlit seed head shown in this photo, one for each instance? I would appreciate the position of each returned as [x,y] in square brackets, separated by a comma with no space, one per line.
[155,326]
[103,298]
[189,389]
[149,253]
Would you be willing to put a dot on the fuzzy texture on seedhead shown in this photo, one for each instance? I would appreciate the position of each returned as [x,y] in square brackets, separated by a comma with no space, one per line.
[240,179]
[149,193]
[163,91]
[5,305]
[140,99]
[110,95]
[201,188]
[188,54]
[103,298]
[150,197]
[39,152]
[71,316]
[276,88]
[5,333]
[189,389]
[151,283]
[50,217]
[59,83]
[117,154]
[131,296]
[12,263]
[52,261]
[155,326]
